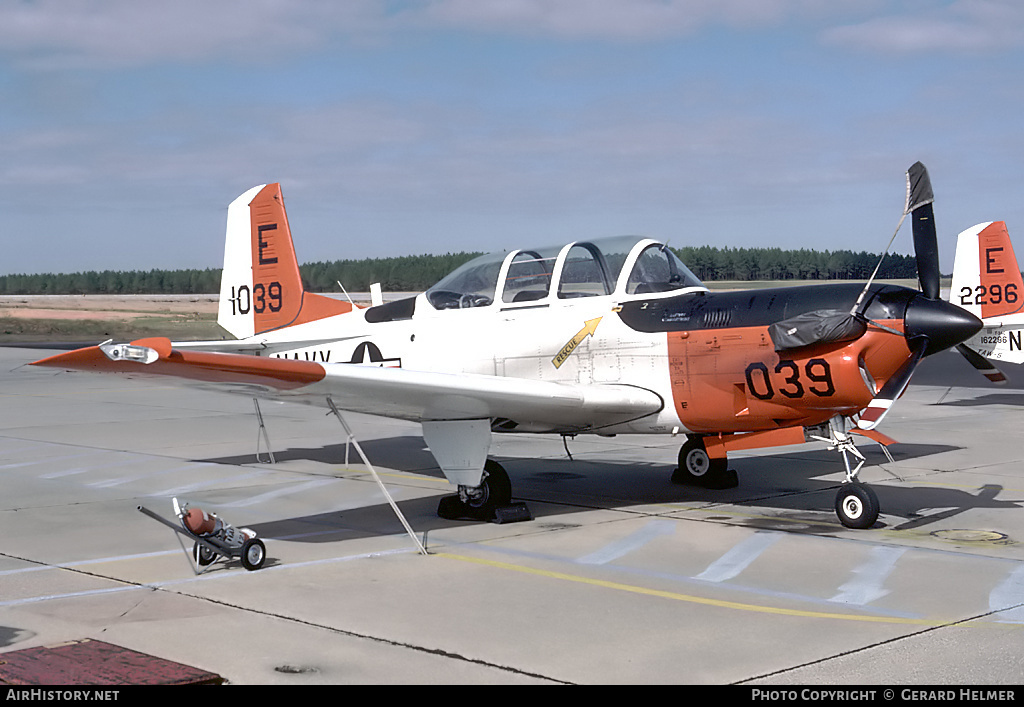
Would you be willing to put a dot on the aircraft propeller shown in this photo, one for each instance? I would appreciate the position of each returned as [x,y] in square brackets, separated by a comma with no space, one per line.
[930,324]
[982,364]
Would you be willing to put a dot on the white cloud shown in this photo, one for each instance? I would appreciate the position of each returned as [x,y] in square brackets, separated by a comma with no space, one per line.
[620,19]
[116,32]
[965,25]
[63,33]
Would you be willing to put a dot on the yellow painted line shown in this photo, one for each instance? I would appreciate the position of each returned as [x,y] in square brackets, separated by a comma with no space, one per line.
[646,591]
[393,474]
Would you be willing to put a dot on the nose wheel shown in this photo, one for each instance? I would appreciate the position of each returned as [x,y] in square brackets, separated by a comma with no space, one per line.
[856,505]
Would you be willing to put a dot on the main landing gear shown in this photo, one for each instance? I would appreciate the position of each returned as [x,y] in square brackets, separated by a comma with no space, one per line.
[698,468]
[490,501]
[856,505]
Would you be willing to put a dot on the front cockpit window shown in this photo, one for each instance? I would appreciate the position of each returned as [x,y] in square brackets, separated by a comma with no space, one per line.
[657,269]
[471,285]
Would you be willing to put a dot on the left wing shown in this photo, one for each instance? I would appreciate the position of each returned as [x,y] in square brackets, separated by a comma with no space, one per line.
[526,405]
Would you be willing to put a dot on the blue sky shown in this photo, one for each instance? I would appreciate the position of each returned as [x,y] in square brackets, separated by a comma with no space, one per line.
[428,126]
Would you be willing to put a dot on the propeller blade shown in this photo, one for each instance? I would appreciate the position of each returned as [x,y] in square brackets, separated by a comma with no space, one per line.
[872,415]
[926,245]
[982,364]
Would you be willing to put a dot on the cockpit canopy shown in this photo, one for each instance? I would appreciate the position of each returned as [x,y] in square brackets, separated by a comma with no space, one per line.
[624,265]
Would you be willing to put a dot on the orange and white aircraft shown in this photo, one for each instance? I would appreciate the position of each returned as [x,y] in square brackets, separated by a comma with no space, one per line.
[987,283]
[594,336]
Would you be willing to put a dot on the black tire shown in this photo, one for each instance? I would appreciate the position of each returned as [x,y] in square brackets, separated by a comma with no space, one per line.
[495,489]
[203,555]
[254,554]
[479,502]
[696,466]
[857,506]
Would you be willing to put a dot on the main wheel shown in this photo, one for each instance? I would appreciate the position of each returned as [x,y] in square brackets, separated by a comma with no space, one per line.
[254,553]
[856,506]
[697,467]
[495,489]
[479,502]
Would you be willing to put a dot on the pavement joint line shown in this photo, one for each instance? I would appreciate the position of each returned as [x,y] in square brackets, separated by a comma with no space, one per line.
[158,586]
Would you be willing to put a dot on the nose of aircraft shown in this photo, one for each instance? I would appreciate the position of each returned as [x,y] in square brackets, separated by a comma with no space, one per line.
[944,325]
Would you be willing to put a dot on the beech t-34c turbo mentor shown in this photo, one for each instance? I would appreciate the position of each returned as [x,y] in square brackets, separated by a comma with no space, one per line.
[603,336]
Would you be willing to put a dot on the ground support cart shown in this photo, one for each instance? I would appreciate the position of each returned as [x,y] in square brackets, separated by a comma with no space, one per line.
[212,537]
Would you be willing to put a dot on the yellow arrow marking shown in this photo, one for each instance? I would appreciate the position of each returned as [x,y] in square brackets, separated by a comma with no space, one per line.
[588,330]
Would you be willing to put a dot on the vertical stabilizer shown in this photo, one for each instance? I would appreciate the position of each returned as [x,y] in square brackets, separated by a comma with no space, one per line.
[986,278]
[260,288]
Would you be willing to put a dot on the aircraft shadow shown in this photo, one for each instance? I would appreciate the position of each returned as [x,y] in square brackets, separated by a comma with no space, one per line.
[781,491]
[1016,399]
[408,453]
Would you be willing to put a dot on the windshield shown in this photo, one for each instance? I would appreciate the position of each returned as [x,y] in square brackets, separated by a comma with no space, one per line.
[471,285]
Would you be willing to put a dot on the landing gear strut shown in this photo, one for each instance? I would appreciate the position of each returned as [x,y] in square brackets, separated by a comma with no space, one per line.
[698,468]
[856,504]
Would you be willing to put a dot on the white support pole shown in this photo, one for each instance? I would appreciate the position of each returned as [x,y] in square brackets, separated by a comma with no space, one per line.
[359,450]
[262,434]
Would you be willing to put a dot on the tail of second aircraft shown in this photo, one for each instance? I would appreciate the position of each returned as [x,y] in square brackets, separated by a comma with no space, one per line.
[987,282]
[986,278]
[260,288]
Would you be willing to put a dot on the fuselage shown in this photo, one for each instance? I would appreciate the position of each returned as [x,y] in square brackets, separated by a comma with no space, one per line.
[709,355]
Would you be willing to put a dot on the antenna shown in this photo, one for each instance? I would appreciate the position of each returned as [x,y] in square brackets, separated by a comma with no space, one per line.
[906,210]
[345,292]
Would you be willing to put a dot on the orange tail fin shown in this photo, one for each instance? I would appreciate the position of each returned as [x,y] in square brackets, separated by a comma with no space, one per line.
[261,289]
[986,278]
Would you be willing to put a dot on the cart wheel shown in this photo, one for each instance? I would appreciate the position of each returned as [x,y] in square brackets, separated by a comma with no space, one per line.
[203,555]
[254,552]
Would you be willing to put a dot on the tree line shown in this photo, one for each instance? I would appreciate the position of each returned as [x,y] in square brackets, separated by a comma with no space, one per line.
[417,272]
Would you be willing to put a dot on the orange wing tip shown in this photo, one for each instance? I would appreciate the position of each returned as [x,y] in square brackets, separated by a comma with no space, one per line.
[79,358]
[160,344]
[144,351]
[277,373]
